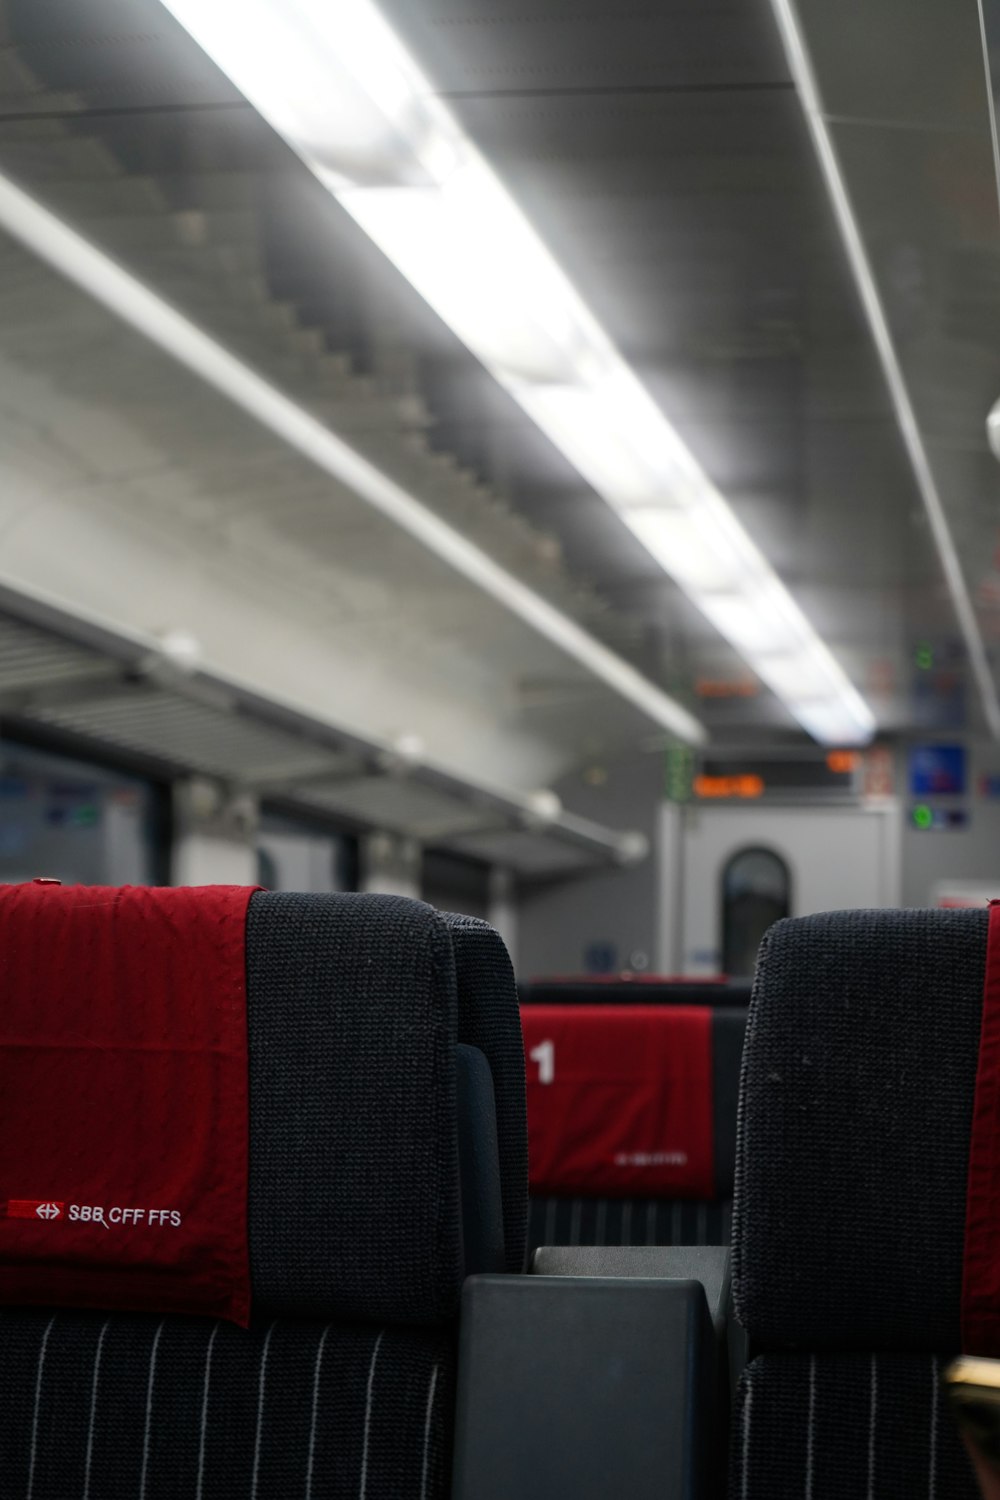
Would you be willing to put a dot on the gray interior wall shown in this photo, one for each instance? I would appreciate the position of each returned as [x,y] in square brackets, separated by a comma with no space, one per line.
[558,922]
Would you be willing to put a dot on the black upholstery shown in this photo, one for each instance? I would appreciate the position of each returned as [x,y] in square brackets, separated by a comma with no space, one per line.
[488,1018]
[343,1386]
[661,1221]
[858,1082]
[729,1028]
[352,1014]
[483,1240]
[128,1406]
[834,1426]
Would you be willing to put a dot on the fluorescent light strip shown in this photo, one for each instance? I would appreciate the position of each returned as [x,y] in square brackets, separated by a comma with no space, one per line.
[801,68]
[993,419]
[337,83]
[83,263]
[984,39]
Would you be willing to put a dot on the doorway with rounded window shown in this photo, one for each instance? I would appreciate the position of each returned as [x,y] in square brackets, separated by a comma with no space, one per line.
[756,891]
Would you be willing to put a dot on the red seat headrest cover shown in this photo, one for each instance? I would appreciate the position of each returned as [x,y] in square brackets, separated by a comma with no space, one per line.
[124,1098]
[620,1100]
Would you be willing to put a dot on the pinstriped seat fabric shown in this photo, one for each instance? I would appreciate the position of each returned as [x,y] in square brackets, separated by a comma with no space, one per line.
[828,1426]
[849,1220]
[344,1383]
[100,1407]
[628,1221]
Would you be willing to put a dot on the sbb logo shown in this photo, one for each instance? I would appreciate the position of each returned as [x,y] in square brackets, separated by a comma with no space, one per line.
[90,1213]
[34,1208]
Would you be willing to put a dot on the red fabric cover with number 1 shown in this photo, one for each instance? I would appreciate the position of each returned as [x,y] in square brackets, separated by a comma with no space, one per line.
[123,1098]
[620,1100]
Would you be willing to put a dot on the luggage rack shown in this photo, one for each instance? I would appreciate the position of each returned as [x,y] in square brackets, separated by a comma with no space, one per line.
[63,677]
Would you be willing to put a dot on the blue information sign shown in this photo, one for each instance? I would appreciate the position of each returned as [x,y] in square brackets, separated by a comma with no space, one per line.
[937,771]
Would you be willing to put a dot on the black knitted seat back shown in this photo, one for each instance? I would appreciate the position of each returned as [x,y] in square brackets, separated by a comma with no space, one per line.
[853,1144]
[343,1385]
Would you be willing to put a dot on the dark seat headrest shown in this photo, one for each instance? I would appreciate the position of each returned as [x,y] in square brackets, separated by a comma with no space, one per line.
[489,1018]
[354,1180]
[853,1148]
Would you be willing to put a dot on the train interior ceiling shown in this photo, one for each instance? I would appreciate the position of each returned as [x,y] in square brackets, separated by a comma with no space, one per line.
[500,508]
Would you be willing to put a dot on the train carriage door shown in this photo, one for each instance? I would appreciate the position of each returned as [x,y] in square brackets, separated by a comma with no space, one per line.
[730,859]
[756,891]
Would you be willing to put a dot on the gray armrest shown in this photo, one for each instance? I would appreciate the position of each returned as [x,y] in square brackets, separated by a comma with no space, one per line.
[580,1389]
[709,1264]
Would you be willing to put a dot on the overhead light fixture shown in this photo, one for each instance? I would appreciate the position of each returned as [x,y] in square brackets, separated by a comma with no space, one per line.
[993,429]
[182,649]
[801,68]
[83,263]
[337,83]
[543,808]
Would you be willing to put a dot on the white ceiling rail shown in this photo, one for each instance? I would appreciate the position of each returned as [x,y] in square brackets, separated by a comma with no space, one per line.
[801,68]
[221,693]
[84,263]
[339,86]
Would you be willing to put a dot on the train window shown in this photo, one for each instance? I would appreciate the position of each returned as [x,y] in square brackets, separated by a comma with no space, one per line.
[77,821]
[296,855]
[756,891]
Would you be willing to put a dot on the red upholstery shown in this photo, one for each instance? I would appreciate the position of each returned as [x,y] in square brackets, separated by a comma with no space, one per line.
[620,1100]
[123,1099]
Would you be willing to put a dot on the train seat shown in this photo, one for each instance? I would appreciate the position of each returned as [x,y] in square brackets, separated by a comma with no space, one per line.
[489,1020]
[635,989]
[379,1033]
[632,1122]
[865,1219]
